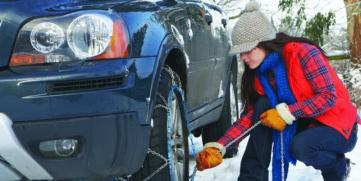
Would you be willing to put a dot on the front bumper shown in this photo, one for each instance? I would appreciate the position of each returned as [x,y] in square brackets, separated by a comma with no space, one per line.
[110,120]
[109,145]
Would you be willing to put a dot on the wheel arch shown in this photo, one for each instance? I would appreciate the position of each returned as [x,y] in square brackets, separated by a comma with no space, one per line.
[171,54]
[176,61]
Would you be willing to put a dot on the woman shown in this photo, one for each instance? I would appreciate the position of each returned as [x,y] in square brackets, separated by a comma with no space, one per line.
[304,108]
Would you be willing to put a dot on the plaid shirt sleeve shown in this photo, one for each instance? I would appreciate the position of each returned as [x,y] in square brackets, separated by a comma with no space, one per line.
[239,127]
[314,65]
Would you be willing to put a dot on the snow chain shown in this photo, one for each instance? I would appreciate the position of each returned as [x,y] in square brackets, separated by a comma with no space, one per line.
[161,167]
[152,174]
[175,87]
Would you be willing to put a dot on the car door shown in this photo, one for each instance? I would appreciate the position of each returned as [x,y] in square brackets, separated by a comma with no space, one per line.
[221,46]
[201,87]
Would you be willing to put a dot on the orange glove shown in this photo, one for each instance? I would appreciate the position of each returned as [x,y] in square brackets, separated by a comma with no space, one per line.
[272,119]
[210,156]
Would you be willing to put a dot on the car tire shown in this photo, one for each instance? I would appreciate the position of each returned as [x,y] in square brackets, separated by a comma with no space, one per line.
[169,137]
[212,132]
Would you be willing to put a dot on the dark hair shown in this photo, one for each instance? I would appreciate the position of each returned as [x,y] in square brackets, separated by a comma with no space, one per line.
[248,94]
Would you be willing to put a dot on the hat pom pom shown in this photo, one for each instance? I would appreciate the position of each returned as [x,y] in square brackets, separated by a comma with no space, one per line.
[252,6]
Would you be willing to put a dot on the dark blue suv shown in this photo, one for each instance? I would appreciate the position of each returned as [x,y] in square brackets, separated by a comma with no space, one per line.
[99,89]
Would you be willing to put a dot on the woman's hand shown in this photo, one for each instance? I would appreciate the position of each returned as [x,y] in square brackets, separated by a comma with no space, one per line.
[210,156]
[272,119]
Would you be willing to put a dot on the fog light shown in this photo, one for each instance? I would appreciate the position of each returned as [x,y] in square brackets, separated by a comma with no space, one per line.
[60,148]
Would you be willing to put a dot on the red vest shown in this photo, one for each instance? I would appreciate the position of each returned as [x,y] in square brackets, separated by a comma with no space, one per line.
[342,115]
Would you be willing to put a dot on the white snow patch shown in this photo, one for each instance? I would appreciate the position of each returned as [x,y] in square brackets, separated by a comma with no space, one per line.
[187,59]
[190,32]
[177,35]
[220,91]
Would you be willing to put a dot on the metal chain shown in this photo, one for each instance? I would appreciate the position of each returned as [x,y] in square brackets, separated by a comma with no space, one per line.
[121,179]
[160,168]
[282,158]
[192,176]
[175,81]
[152,174]
[170,72]
[162,98]
[153,152]
[160,106]
[166,162]
[243,134]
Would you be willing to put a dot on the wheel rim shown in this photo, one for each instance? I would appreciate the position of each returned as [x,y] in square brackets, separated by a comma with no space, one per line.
[232,102]
[175,142]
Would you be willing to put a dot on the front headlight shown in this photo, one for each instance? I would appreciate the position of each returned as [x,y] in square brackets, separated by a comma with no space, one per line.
[46,37]
[91,35]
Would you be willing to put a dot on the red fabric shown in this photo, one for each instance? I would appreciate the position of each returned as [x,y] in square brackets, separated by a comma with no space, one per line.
[310,88]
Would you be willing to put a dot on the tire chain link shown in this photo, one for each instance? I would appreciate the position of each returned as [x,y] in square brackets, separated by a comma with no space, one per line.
[178,82]
[152,174]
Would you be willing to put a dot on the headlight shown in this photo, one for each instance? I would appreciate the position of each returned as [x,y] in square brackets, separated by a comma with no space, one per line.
[46,37]
[90,35]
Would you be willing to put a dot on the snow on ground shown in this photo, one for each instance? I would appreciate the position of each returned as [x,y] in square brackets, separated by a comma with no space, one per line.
[229,169]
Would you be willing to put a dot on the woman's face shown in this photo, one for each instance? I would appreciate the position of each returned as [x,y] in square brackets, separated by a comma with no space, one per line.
[254,57]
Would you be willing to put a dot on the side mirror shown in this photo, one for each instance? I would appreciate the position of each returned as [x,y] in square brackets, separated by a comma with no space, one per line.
[208,17]
[224,22]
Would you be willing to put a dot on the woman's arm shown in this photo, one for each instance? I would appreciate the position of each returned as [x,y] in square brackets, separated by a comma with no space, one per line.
[239,127]
[314,65]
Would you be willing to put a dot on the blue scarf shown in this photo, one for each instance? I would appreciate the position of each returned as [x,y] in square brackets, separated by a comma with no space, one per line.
[273,62]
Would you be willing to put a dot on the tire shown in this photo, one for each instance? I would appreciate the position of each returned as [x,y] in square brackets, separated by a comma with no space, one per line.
[212,132]
[169,138]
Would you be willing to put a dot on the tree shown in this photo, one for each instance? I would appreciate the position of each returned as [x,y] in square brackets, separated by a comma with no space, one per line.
[296,23]
[353,11]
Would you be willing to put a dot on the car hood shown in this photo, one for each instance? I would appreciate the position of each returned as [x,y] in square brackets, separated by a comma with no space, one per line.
[15,13]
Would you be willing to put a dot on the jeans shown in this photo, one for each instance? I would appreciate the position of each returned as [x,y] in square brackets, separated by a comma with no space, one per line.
[321,147]
[257,157]
[324,148]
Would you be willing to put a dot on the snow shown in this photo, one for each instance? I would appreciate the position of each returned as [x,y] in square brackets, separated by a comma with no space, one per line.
[337,53]
[220,91]
[229,169]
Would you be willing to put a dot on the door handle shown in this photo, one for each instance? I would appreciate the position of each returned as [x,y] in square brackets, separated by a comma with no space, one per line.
[224,22]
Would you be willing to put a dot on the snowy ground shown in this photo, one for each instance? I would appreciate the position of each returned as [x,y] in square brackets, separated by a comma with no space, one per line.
[229,169]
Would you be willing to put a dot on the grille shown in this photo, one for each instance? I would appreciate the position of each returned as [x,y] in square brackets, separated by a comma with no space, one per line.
[85,85]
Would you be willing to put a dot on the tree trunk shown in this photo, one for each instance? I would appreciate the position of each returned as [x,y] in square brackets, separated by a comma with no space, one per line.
[354,28]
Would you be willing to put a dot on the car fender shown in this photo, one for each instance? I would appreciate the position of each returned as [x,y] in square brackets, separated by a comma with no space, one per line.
[168,44]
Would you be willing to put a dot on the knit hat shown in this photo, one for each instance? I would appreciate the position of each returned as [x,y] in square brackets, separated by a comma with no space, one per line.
[251,28]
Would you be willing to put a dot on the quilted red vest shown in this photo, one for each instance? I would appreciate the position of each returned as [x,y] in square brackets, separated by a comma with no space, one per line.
[342,115]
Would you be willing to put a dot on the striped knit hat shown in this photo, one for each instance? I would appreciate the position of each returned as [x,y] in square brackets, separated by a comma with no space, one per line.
[251,28]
